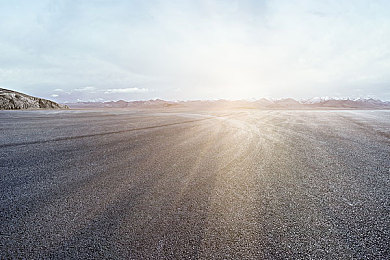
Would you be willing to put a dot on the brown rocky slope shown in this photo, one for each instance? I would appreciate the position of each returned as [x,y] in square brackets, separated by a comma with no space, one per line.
[10,100]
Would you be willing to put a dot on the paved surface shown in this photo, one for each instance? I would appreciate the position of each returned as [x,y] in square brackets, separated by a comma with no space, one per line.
[225,185]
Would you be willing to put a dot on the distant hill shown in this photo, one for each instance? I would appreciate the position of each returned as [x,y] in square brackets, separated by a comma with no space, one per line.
[354,104]
[10,100]
[288,103]
[157,103]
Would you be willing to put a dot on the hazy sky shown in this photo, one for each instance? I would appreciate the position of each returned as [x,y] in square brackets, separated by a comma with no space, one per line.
[110,50]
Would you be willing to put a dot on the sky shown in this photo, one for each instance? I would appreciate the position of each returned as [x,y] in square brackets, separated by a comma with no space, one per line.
[99,50]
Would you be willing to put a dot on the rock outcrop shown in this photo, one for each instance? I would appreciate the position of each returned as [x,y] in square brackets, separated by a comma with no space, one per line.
[10,100]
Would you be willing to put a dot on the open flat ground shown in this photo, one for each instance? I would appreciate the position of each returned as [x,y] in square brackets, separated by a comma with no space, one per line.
[234,184]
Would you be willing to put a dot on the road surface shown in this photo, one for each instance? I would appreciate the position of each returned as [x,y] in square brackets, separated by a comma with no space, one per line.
[238,184]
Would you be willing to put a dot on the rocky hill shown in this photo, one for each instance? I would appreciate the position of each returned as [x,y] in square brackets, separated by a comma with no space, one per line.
[10,100]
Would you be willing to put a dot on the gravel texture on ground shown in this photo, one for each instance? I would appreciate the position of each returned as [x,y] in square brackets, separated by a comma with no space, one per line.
[239,184]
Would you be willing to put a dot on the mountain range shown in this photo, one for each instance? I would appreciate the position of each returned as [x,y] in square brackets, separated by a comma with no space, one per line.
[288,103]
[10,99]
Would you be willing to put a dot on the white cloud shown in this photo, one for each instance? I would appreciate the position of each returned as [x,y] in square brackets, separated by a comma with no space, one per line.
[54,95]
[126,90]
[85,89]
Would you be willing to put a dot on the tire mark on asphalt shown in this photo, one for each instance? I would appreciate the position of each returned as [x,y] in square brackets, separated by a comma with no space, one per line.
[127,205]
[365,127]
[101,134]
[112,218]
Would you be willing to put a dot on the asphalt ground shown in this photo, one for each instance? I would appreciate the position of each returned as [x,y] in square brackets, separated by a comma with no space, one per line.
[235,184]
